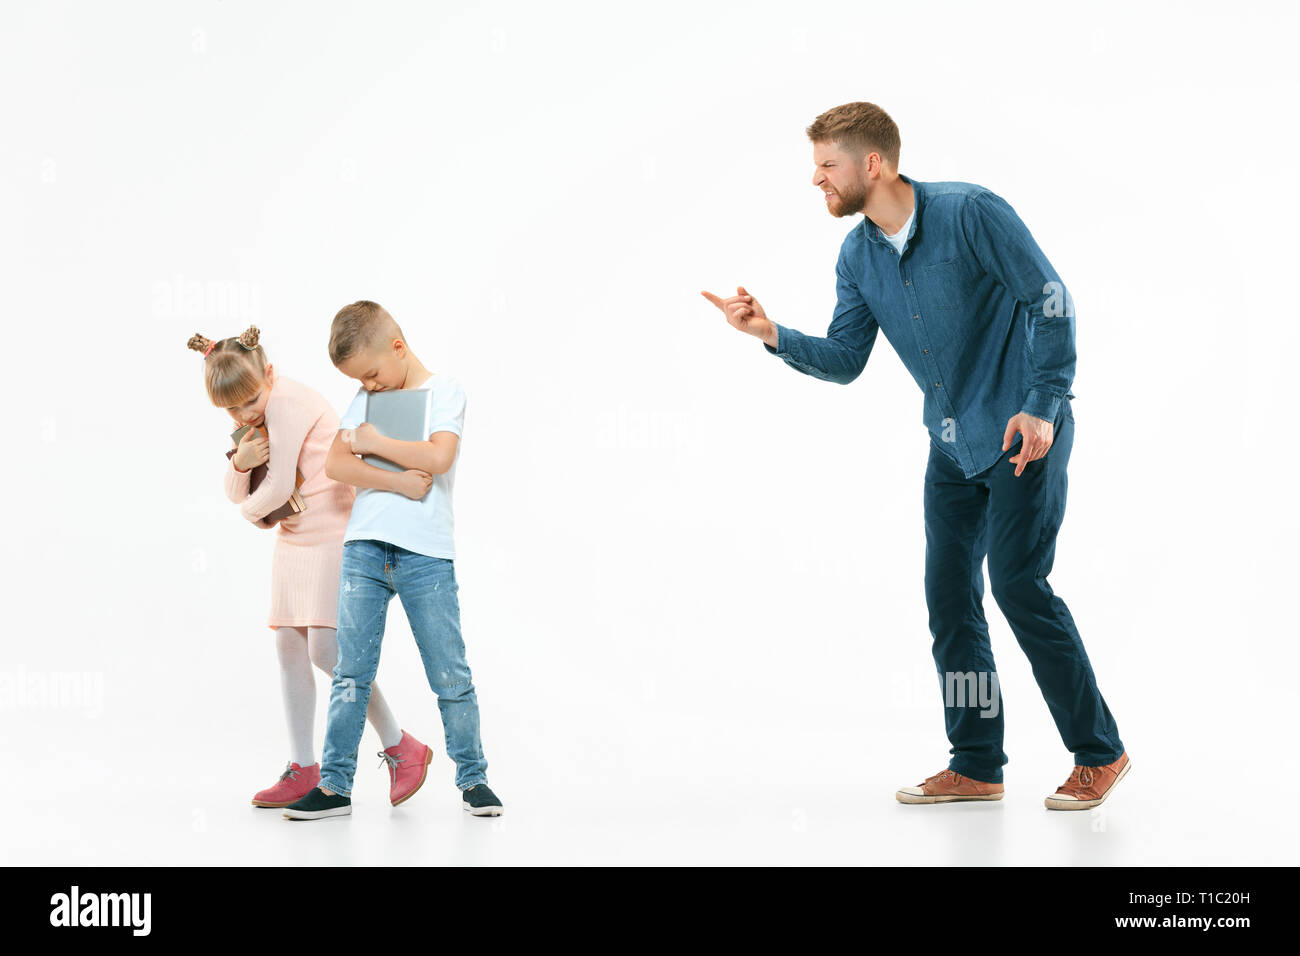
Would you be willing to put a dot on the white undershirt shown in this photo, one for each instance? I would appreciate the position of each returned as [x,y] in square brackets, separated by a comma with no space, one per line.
[899,238]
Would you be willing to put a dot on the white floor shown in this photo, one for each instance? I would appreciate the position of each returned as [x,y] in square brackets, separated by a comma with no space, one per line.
[642,712]
[86,798]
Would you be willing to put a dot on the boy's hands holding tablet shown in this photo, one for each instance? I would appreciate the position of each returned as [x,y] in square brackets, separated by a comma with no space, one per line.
[366,439]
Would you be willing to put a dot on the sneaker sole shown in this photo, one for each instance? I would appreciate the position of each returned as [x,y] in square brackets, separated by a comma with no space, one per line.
[483,811]
[424,772]
[944,797]
[263,803]
[317,814]
[1053,803]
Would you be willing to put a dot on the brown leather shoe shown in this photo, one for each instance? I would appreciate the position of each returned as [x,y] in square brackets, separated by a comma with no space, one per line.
[1088,786]
[948,786]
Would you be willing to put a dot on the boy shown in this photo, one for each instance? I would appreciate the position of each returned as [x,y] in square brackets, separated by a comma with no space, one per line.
[398,541]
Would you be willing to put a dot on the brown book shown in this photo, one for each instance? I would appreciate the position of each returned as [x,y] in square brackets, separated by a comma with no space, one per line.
[296,502]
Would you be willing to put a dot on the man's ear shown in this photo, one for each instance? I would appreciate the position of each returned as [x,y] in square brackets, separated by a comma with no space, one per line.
[873,161]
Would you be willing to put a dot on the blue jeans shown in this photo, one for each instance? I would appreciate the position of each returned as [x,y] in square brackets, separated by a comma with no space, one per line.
[1014,521]
[372,572]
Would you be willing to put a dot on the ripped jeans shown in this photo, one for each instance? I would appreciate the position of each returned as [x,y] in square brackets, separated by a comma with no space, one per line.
[372,572]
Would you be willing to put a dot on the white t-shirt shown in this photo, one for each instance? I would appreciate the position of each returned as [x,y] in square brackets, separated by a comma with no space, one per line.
[424,526]
[899,238]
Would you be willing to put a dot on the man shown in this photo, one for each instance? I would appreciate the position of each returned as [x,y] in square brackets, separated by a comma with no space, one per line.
[986,328]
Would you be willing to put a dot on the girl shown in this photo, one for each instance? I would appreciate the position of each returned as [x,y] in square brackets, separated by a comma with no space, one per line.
[300,426]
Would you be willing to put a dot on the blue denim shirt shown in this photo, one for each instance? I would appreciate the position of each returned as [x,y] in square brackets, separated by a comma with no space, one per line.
[972,307]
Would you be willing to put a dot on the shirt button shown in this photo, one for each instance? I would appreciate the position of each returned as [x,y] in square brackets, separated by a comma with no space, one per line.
[907,282]
[936,384]
[926,351]
[916,316]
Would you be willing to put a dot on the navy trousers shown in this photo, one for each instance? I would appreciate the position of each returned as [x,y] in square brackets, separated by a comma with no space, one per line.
[1014,521]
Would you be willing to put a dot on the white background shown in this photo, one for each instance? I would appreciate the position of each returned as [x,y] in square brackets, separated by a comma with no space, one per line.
[691,578]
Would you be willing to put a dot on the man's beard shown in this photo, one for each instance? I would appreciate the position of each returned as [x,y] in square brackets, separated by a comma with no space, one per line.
[851,201]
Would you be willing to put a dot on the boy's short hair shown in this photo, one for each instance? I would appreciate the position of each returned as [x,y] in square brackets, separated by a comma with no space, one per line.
[361,326]
[858,129]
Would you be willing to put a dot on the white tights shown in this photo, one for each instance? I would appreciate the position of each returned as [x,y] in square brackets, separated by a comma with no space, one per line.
[299,648]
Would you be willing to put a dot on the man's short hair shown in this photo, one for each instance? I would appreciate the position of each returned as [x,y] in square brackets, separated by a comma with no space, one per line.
[858,129]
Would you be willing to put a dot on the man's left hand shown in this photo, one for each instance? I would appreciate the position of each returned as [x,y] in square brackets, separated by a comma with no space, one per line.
[1035,435]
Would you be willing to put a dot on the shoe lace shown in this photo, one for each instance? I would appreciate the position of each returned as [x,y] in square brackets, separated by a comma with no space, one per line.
[392,760]
[942,776]
[289,772]
[1080,777]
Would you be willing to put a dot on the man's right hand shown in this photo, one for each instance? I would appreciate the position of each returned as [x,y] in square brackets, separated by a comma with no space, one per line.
[413,483]
[743,312]
[253,450]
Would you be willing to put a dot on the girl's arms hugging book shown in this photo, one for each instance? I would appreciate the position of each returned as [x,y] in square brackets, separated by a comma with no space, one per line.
[295,503]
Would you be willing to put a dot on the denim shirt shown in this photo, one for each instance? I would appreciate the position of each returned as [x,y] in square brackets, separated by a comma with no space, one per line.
[973,308]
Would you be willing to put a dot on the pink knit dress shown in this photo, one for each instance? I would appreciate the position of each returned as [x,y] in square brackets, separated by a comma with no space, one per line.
[309,545]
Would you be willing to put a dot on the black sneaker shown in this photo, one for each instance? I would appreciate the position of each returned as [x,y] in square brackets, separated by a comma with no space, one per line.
[318,804]
[481,801]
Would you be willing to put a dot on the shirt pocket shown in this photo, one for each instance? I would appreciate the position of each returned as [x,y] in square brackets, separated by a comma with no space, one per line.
[945,285]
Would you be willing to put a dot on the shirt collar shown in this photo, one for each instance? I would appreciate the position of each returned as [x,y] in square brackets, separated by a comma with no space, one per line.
[874,232]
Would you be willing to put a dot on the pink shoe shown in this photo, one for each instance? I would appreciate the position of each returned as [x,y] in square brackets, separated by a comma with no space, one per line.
[408,762]
[295,783]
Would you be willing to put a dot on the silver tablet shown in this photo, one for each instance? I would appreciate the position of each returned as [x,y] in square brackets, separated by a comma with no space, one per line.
[401,413]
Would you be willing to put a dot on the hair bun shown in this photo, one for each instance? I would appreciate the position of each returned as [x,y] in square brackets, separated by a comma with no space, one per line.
[248,338]
[198,342]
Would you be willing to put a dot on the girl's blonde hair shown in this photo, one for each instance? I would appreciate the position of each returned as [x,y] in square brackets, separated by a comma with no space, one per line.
[235,368]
